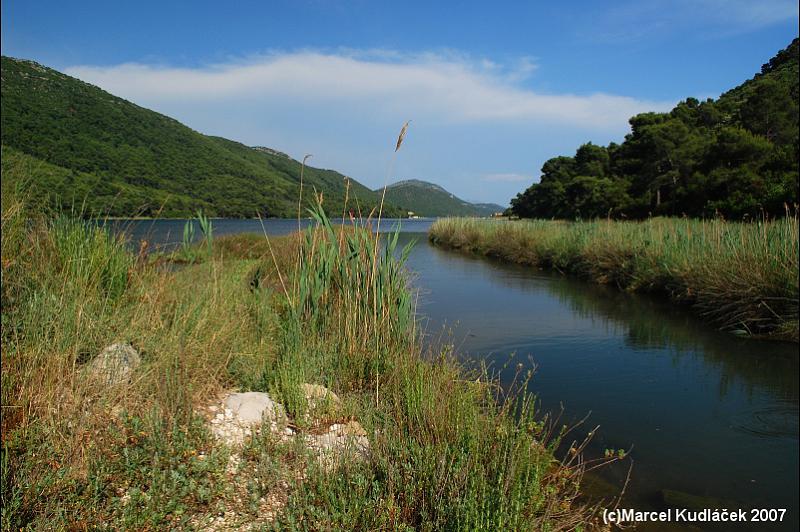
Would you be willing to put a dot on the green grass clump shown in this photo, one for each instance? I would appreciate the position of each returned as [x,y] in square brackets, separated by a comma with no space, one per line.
[741,276]
[70,457]
[449,449]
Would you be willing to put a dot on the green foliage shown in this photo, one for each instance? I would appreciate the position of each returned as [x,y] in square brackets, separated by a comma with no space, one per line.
[349,270]
[482,473]
[189,252]
[90,256]
[148,472]
[159,468]
[86,147]
[207,229]
[736,156]
[743,276]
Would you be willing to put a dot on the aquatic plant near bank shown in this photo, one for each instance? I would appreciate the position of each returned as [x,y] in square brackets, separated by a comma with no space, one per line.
[449,448]
[188,251]
[741,276]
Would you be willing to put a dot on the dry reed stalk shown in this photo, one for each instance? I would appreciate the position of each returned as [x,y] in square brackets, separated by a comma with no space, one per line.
[274,259]
[400,139]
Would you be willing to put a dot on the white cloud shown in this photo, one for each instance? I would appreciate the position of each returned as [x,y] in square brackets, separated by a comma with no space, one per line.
[511,178]
[445,87]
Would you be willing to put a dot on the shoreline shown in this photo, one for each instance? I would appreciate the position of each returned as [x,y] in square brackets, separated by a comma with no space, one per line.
[739,277]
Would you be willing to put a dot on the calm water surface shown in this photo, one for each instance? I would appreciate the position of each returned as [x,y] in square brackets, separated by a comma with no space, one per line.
[705,413]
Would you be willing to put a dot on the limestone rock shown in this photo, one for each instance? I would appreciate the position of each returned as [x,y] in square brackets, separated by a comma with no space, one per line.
[252,408]
[319,400]
[340,442]
[115,364]
[242,414]
[317,394]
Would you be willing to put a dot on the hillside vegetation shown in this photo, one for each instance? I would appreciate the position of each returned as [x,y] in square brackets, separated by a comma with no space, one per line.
[736,156]
[428,199]
[85,147]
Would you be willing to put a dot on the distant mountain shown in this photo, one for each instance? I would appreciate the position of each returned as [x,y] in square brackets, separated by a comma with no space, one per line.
[76,144]
[428,199]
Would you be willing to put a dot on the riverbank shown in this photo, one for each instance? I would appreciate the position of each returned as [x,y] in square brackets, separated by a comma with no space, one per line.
[742,277]
[447,448]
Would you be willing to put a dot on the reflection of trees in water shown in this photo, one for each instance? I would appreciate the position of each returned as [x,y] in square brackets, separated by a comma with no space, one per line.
[762,373]
[647,322]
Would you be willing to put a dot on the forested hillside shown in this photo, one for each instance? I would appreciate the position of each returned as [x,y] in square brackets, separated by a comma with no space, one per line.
[74,144]
[428,199]
[736,156]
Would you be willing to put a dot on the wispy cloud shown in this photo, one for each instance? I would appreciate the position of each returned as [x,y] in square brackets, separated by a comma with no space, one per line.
[447,87]
[508,178]
[746,14]
[633,20]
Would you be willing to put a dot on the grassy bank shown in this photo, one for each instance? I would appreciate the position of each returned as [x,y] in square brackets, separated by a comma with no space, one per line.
[449,449]
[743,277]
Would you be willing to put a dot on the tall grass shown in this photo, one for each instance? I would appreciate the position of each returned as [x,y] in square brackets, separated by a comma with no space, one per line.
[450,449]
[343,279]
[69,452]
[742,277]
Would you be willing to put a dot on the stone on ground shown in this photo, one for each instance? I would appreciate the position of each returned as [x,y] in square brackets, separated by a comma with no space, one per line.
[340,442]
[317,394]
[320,402]
[115,364]
[242,414]
[253,408]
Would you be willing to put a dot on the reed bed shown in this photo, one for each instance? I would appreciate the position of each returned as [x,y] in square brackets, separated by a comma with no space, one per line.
[449,448]
[741,276]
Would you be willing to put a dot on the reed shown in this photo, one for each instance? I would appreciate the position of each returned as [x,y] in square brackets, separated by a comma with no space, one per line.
[741,276]
[450,448]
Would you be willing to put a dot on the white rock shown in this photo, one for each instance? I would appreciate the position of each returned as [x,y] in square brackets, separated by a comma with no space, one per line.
[340,442]
[251,408]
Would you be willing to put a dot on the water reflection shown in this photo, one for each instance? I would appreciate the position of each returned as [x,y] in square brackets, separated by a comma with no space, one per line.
[707,413]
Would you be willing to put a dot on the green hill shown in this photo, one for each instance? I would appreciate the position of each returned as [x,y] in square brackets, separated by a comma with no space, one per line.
[75,144]
[427,199]
[736,156]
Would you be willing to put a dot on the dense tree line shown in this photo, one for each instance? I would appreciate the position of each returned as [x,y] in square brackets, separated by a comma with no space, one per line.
[736,156]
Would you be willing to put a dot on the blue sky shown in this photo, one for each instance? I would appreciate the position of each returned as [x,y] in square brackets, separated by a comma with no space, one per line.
[493,89]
